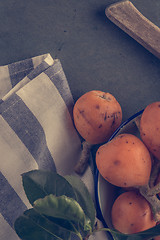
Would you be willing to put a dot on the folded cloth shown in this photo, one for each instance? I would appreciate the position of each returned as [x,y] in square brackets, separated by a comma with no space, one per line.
[36,131]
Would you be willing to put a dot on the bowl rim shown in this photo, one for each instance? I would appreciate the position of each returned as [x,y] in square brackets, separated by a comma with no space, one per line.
[96,177]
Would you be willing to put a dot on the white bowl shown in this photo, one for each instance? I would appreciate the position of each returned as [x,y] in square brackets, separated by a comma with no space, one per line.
[106,193]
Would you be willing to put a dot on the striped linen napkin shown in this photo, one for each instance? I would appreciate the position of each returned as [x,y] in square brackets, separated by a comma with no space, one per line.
[36,131]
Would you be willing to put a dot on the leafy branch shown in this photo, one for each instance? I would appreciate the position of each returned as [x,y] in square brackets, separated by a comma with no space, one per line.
[62,207]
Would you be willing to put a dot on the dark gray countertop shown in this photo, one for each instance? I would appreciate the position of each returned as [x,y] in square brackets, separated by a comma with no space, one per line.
[95,54]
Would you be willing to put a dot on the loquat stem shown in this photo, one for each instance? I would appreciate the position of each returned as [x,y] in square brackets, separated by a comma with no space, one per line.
[146,191]
[155,190]
[154,173]
[150,191]
[84,158]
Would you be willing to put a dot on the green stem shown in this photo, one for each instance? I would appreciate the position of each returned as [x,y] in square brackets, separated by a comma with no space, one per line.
[108,230]
[77,232]
[101,229]
[79,235]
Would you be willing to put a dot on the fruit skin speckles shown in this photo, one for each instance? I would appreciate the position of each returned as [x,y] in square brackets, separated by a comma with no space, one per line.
[117,162]
[105,116]
[131,213]
[125,164]
[96,116]
[149,128]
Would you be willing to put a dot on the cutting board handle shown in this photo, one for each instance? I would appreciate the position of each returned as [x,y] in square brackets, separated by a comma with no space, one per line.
[126,16]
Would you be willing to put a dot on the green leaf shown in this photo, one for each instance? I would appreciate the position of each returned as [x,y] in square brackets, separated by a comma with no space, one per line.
[39,183]
[33,226]
[147,234]
[66,224]
[63,207]
[83,197]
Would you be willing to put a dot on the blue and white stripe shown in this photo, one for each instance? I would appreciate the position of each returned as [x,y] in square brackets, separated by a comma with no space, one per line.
[36,131]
